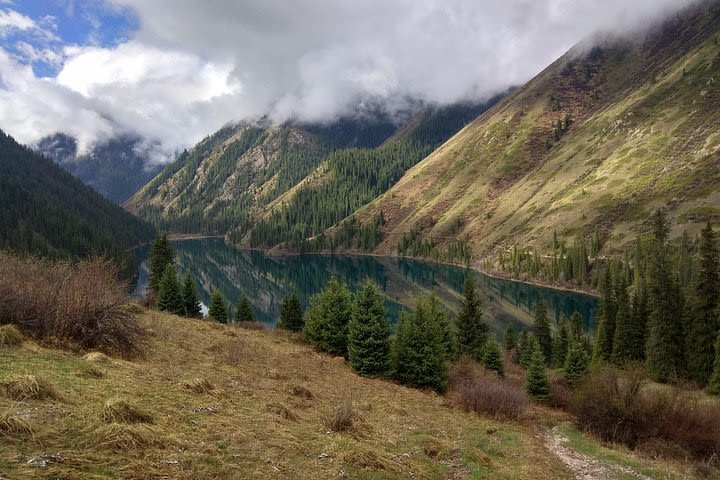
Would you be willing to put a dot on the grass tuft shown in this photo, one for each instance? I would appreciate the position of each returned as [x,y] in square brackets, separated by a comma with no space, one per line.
[341,418]
[13,426]
[302,392]
[201,386]
[28,387]
[10,336]
[121,437]
[281,411]
[89,371]
[97,357]
[121,411]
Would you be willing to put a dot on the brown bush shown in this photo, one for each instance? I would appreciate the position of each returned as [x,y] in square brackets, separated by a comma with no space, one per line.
[475,389]
[341,419]
[10,336]
[83,304]
[623,408]
[559,392]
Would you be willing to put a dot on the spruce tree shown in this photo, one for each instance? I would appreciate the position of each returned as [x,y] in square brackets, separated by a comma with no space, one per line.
[605,324]
[447,333]
[703,317]
[327,318]
[639,318]
[419,353]
[493,359]
[714,384]
[576,363]
[510,340]
[291,314]
[169,297]
[472,330]
[525,349]
[624,343]
[218,309]
[541,330]
[161,255]
[665,350]
[537,384]
[191,302]
[244,312]
[560,346]
[369,332]
[576,325]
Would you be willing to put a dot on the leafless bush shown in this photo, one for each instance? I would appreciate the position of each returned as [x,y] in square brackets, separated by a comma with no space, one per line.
[475,389]
[82,304]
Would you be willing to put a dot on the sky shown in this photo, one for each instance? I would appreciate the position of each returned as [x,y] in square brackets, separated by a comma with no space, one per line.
[174,71]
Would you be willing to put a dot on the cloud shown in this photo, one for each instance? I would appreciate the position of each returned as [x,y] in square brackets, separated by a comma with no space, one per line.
[12,20]
[193,65]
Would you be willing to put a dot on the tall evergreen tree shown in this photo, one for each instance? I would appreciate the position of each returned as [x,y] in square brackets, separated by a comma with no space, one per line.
[541,330]
[161,255]
[244,312]
[576,363]
[714,384]
[537,384]
[493,359]
[369,332]
[605,331]
[420,353]
[327,318]
[291,314]
[472,330]
[218,309]
[576,325]
[169,297]
[525,349]
[447,333]
[624,343]
[665,351]
[510,340]
[191,302]
[560,347]
[639,318]
[704,316]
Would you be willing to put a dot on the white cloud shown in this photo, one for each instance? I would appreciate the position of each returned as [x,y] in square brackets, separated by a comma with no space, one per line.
[195,65]
[12,20]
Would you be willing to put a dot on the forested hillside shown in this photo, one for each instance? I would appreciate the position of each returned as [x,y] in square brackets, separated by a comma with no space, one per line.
[578,157]
[270,185]
[117,168]
[48,211]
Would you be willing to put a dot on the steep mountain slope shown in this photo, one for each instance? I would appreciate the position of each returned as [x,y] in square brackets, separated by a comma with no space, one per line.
[282,184]
[46,210]
[117,168]
[607,133]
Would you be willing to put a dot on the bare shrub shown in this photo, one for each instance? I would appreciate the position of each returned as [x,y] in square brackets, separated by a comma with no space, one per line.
[475,389]
[559,393]
[622,408]
[121,411]
[252,325]
[83,304]
[341,418]
[28,387]
[10,336]
[282,411]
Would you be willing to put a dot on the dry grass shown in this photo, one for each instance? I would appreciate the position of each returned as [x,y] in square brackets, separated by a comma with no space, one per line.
[234,355]
[79,305]
[10,336]
[302,392]
[341,418]
[28,387]
[97,357]
[12,426]
[123,437]
[89,371]
[201,386]
[282,411]
[117,410]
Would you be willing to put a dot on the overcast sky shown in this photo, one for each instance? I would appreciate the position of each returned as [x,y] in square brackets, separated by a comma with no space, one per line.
[177,70]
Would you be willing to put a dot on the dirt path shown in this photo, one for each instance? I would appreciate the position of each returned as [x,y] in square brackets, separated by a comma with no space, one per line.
[583,466]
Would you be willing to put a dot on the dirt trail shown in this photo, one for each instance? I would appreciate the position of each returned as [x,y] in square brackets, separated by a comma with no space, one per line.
[583,466]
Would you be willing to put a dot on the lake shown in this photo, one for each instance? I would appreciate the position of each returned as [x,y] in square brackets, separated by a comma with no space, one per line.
[266,280]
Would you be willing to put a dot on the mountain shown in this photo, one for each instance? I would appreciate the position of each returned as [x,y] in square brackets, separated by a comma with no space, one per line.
[612,130]
[117,168]
[48,211]
[269,185]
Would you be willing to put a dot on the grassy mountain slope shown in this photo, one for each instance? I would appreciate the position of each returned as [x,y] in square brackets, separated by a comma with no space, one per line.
[216,401]
[597,140]
[117,168]
[46,210]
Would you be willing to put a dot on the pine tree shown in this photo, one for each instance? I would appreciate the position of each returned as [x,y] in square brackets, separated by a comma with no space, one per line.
[560,347]
[447,333]
[525,349]
[218,310]
[169,295]
[639,318]
[714,384]
[419,353]
[537,384]
[510,340]
[191,302]
[665,350]
[576,363]
[472,330]
[605,330]
[369,332]
[327,318]
[624,341]
[704,319]
[576,325]
[541,330]
[244,312]
[161,255]
[291,314]
[493,359]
